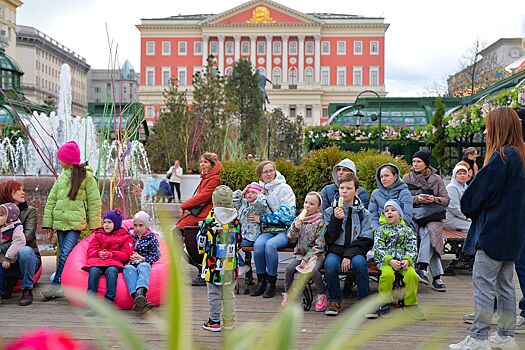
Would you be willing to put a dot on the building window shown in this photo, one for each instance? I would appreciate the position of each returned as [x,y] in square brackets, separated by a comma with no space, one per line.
[308,113]
[324,112]
[245,47]
[276,47]
[309,76]
[166,75]
[150,112]
[197,48]
[182,76]
[325,47]
[97,88]
[292,47]
[358,47]
[276,76]
[183,48]
[341,47]
[293,111]
[374,47]
[229,48]
[150,48]
[341,76]
[166,48]
[374,75]
[228,72]
[325,75]
[214,48]
[358,76]
[261,47]
[150,76]
[309,47]
[292,76]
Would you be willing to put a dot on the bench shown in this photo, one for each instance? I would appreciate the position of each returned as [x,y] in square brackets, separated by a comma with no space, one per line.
[454,241]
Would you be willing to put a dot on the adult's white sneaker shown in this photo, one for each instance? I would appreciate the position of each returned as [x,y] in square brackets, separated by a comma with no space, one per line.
[470,343]
[497,341]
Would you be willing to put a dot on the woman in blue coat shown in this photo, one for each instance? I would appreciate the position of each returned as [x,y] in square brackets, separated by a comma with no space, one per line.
[495,201]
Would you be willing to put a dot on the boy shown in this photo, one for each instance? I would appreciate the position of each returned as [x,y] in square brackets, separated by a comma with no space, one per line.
[395,249]
[348,238]
[219,239]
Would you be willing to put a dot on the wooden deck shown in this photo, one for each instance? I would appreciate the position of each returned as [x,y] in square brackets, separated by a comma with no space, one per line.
[58,314]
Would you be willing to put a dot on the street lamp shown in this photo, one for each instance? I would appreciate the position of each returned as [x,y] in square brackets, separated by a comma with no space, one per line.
[373,116]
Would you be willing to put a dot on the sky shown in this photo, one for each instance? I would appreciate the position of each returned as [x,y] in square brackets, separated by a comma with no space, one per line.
[424,43]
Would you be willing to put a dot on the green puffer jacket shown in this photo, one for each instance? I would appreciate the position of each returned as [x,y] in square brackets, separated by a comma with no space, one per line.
[64,214]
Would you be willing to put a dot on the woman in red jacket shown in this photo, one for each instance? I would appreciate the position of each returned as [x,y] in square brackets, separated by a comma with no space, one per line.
[107,253]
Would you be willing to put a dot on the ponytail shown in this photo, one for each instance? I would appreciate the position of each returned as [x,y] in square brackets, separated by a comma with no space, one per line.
[78,174]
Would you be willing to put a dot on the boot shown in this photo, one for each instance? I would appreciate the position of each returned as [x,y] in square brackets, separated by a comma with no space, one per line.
[26,298]
[140,299]
[147,307]
[10,284]
[270,288]
[261,285]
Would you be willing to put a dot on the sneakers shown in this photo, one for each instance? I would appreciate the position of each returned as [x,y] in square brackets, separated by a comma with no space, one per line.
[520,324]
[320,302]
[497,341]
[383,311]
[284,302]
[470,343]
[89,312]
[439,286]
[469,318]
[241,272]
[332,309]
[198,281]
[415,312]
[423,278]
[212,326]
[228,324]
[55,291]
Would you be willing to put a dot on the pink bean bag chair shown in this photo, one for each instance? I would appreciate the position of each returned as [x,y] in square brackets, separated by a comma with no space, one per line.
[18,286]
[77,279]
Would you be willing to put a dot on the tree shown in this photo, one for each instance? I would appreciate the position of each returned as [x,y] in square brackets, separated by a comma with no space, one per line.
[439,138]
[286,136]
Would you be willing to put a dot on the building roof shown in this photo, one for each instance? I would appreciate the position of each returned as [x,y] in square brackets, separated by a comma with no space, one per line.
[9,64]
[197,17]
[499,42]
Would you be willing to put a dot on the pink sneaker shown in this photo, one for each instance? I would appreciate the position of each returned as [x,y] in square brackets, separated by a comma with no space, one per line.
[284,302]
[320,302]
[242,271]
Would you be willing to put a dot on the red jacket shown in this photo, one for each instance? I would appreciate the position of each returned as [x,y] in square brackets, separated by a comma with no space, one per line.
[119,243]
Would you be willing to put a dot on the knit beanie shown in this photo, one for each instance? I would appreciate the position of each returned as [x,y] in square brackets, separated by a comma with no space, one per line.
[69,153]
[254,186]
[143,217]
[116,217]
[393,203]
[458,168]
[222,197]
[424,156]
[12,212]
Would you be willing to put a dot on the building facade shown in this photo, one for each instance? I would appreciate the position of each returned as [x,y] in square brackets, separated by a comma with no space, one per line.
[113,85]
[312,59]
[8,25]
[41,58]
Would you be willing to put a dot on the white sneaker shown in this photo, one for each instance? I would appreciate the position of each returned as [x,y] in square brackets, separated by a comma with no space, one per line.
[497,341]
[520,325]
[242,271]
[284,302]
[470,343]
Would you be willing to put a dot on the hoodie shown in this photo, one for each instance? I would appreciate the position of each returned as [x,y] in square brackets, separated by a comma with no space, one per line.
[455,218]
[281,202]
[219,239]
[330,193]
[399,191]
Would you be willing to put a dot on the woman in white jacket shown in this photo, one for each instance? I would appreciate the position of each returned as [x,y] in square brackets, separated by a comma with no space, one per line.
[174,175]
[455,219]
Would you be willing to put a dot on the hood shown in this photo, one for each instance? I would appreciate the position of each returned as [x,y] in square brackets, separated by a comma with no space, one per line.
[357,205]
[347,163]
[225,215]
[279,179]
[213,172]
[89,171]
[456,184]
[393,191]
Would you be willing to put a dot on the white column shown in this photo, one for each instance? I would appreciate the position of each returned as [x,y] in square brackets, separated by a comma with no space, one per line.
[284,73]
[317,59]
[316,113]
[301,59]
[221,54]
[253,48]
[269,49]
[204,50]
[237,39]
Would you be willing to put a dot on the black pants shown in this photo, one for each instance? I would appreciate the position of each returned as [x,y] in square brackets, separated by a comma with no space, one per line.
[175,186]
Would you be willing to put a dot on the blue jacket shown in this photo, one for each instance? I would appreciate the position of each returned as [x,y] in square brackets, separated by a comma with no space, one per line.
[495,201]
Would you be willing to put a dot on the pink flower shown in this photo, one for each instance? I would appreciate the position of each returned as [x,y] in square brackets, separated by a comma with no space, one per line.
[47,339]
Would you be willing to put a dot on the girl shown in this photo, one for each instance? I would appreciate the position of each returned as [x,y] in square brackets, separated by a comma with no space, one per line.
[107,253]
[495,201]
[308,230]
[137,271]
[174,175]
[73,205]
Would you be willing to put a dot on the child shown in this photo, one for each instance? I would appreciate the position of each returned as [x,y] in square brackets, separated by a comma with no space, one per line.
[308,231]
[73,205]
[107,253]
[249,201]
[12,239]
[220,239]
[395,249]
[137,271]
[348,237]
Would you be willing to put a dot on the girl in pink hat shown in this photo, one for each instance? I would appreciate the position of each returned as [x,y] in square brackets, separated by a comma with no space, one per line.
[73,205]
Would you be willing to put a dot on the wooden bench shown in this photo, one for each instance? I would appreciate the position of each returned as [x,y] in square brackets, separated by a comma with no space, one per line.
[454,241]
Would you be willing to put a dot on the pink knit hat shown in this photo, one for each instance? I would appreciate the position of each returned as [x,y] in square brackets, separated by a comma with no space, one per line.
[69,153]
[254,186]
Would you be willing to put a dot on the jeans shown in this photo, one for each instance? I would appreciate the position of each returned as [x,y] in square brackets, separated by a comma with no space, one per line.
[111,273]
[67,240]
[265,252]
[520,271]
[216,293]
[137,276]
[28,265]
[240,259]
[332,268]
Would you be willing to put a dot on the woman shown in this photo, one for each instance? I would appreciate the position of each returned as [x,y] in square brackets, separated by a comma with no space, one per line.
[427,187]
[469,161]
[390,187]
[281,201]
[456,220]
[495,201]
[174,176]
[197,207]
[29,259]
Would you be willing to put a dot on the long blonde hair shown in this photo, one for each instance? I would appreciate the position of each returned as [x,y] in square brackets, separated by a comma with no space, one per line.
[504,129]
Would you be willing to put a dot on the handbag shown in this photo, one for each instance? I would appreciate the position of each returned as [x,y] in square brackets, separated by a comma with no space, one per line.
[426,213]
[195,211]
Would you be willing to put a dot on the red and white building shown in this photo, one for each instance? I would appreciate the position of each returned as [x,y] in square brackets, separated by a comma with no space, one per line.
[312,59]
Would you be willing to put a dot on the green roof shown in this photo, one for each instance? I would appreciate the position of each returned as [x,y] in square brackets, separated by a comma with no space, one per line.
[338,16]
[198,17]
[9,64]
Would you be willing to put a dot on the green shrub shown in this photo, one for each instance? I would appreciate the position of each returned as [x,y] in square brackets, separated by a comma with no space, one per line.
[288,169]
[237,174]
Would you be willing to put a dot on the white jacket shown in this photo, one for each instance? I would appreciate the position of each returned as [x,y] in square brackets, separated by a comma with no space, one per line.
[175,175]
[455,218]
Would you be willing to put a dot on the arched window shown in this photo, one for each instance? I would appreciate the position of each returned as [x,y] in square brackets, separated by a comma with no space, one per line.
[276,76]
[292,76]
[309,76]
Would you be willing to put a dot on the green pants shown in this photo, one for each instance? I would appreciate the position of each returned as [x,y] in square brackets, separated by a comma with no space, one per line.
[386,283]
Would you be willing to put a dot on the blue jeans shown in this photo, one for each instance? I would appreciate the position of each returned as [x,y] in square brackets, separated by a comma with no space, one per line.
[519,266]
[137,276]
[28,264]
[245,243]
[265,252]
[67,240]
[332,268]
[111,273]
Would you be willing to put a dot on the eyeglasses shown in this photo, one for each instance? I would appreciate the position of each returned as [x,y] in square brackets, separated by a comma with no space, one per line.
[268,172]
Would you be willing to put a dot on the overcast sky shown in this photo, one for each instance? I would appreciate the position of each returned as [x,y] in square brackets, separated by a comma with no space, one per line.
[424,43]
